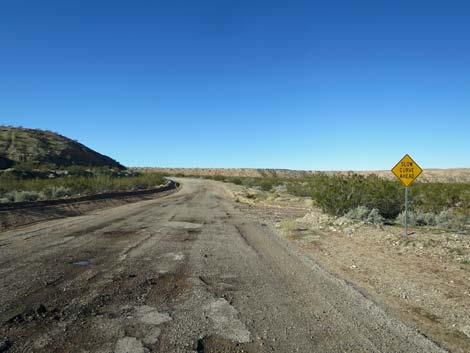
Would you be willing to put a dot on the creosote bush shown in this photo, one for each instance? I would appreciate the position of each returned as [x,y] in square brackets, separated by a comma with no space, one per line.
[338,194]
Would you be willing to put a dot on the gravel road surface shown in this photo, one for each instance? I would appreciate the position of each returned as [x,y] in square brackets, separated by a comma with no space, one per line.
[188,272]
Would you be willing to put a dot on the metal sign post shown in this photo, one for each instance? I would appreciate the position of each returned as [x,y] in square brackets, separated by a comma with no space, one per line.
[406,170]
[406,211]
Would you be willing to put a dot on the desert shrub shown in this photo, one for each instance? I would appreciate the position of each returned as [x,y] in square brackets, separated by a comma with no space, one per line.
[26,166]
[417,218]
[218,178]
[464,201]
[411,218]
[360,213]
[266,185]
[436,197]
[450,219]
[299,188]
[425,218]
[22,196]
[365,214]
[236,181]
[56,192]
[250,182]
[375,217]
[280,188]
[338,194]
[446,219]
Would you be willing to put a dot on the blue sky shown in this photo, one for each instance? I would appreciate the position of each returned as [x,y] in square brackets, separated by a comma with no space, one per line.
[279,84]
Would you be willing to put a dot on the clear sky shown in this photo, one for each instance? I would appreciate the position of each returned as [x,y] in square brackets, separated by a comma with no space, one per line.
[279,84]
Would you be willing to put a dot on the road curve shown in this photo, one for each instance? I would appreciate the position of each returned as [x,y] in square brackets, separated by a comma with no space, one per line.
[187,272]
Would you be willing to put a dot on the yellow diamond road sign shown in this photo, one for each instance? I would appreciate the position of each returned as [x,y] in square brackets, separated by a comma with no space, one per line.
[407,170]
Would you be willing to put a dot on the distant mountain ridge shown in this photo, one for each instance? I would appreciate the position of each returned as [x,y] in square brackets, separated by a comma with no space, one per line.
[19,145]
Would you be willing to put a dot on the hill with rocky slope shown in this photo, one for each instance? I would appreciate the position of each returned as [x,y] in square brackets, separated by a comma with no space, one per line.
[40,147]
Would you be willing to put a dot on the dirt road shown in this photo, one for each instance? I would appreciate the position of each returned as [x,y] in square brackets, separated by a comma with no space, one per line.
[187,272]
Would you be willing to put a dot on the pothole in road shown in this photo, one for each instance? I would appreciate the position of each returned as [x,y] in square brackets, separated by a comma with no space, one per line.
[190,226]
[181,235]
[216,344]
[168,287]
[120,234]
[223,286]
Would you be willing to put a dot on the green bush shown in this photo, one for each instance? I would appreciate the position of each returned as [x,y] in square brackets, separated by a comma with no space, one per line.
[338,194]
[435,197]
[236,181]
[299,188]
[266,185]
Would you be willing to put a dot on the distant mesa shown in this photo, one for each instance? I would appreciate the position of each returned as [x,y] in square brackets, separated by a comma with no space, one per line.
[429,175]
[20,145]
